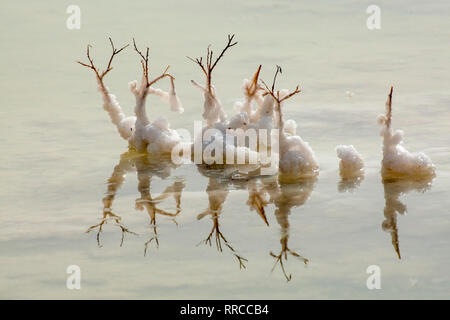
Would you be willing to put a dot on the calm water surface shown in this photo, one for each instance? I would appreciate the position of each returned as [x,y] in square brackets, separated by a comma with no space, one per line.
[64,170]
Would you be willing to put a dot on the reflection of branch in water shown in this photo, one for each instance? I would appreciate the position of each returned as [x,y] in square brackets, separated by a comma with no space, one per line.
[217,191]
[285,197]
[393,189]
[257,199]
[146,167]
[109,216]
[220,237]
[283,253]
[114,183]
[144,175]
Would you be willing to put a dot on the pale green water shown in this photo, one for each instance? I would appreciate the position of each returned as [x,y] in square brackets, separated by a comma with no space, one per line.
[59,149]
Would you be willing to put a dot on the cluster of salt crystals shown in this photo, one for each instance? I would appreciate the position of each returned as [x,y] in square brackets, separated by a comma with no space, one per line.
[212,108]
[171,97]
[156,137]
[297,159]
[253,93]
[290,127]
[397,160]
[214,140]
[351,163]
[124,124]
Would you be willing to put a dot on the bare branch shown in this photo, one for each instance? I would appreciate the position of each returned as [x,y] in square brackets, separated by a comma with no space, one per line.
[109,67]
[210,65]
[276,94]
[297,90]
[253,87]
[389,108]
[144,62]
[230,44]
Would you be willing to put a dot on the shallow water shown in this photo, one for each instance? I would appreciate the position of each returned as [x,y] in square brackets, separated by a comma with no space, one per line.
[59,150]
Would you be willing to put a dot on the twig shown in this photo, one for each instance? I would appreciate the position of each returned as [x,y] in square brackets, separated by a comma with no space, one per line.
[210,65]
[389,108]
[109,67]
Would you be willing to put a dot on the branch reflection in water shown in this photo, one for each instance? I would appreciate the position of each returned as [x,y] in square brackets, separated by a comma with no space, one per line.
[146,167]
[263,191]
[394,187]
[285,197]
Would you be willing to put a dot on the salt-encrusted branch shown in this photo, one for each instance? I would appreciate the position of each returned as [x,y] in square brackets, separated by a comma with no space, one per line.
[213,110]
[146,83]
[276,93]
[125,125]
[254,86]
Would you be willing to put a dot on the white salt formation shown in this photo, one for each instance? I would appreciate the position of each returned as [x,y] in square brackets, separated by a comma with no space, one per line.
[156,137]
[216,118]
[351,163]
[259,107]
[125,125]
[213,113]
[297,159]
[397,160]
[253,93]
[290,127]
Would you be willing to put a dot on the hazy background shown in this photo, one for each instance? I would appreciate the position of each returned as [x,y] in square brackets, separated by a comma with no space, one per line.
[59,148]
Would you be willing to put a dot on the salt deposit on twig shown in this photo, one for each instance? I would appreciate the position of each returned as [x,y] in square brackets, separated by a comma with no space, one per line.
[217,122]
[397,160]
[155,137]
[297,160]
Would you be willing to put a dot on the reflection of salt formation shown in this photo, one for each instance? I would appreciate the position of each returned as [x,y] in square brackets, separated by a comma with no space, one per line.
[146,167]
[114,183]
[397,160]
[351,167]
[285,197]
[393,189]
[217,190]
[297,160]
[156,137]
